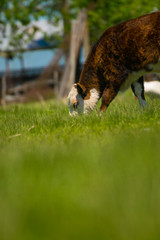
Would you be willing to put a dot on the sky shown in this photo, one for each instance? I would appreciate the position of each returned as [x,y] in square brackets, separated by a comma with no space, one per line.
[32,59]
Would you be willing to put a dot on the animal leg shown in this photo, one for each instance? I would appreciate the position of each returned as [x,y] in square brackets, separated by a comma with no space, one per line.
[138,90]
[107,97]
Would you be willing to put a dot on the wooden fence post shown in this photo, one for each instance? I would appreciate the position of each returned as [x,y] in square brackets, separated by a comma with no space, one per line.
[86,42]
[78,30]
[4,88]
[56,82]
[72,60]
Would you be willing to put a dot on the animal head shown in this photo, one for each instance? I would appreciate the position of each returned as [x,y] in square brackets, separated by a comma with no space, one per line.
[81,100]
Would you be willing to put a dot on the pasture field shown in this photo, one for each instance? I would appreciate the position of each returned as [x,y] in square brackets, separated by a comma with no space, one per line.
[80,178]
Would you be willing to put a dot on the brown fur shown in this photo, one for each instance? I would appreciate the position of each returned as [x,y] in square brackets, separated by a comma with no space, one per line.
[124,48]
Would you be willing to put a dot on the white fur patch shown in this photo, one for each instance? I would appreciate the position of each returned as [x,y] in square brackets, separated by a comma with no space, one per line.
[152,88]
[92,101]
[134,76]
[83,106]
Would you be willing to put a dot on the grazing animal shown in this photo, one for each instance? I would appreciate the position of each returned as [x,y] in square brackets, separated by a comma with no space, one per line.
[119,59]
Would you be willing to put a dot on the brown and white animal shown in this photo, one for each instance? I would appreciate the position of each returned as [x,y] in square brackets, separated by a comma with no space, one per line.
[118,60]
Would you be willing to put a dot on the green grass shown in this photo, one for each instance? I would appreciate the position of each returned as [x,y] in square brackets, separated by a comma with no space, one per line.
[87,177]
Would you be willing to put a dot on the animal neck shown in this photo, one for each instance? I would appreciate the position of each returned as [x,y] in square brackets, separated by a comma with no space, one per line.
[90,103]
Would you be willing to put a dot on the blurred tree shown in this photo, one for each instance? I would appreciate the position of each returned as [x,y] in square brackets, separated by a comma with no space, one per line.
[101,13]
[15,14]
[104,13]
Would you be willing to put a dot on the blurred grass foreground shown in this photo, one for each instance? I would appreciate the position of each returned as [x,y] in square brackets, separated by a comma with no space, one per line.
[87,177]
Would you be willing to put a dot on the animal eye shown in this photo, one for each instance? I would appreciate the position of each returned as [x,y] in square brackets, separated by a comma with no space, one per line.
[75,105]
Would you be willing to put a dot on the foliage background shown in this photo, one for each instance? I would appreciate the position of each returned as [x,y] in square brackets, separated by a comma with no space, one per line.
[101,13]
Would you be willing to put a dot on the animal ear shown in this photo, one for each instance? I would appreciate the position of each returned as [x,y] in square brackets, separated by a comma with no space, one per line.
[81,90]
